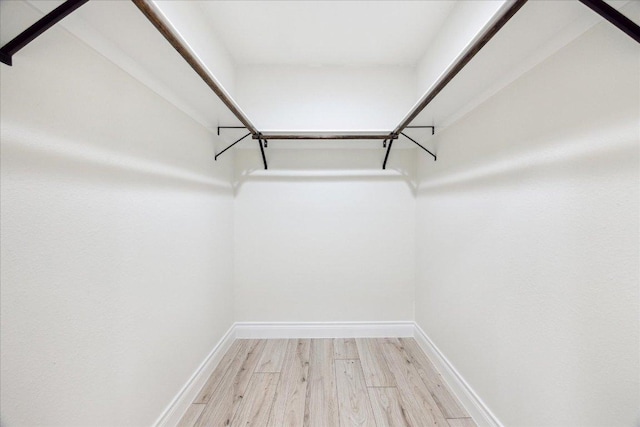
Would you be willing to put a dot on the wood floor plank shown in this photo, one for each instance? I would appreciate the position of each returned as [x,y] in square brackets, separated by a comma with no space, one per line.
[422,409]
[354,406]
[461,422]
[289,402]
[321,408]
[345,348]
[225,401]
[323,383]
[445,400]
[191,416]
[374,365]
[216,376]
[388,409]
[272,356]
[256,403]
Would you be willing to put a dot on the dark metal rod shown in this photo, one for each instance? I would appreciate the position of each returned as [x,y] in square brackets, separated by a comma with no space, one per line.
[217,155]
[230,127]
[615,17]
[460,63]
[433,128]
[309,136]
[148,10]
[43,24]
[386,156]
[418,144]
[264,158]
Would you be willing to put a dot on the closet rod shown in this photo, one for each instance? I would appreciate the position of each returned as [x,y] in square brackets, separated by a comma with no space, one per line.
[154,17]
[321,136]
[42,25]
[616,18]
[453,70]
[461,62]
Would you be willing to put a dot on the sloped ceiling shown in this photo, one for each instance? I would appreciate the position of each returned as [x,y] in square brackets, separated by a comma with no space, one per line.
[236,38]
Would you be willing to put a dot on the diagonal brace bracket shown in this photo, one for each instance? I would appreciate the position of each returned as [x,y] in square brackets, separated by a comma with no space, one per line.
[262,143]
[395,136]
[419,145]
[238,140]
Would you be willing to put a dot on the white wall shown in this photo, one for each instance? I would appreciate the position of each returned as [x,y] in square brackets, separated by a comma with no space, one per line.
[120,241]
[527,231]
[324,235]
[459,30]
[116,261]
[325,98]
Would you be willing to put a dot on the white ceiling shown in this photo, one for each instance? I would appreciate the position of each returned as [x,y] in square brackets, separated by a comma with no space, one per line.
[120,32]
[354,33]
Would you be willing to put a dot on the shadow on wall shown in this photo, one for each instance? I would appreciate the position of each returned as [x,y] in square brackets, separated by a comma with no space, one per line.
[537,158]
[69,159]
[325,165]
[26,152]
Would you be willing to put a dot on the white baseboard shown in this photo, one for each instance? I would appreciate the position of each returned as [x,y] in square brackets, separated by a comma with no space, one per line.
[478,410]
[324,329]
[178,406]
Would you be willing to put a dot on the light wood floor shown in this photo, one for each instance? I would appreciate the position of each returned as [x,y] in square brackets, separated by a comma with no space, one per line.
[326,383]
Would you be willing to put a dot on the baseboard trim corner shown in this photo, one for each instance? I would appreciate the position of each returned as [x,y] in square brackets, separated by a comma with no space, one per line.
[478,410]
[180,403]
[324,329]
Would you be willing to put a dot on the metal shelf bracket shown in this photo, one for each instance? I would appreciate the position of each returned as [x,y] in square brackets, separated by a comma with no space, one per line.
[262,143]
[384,143]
